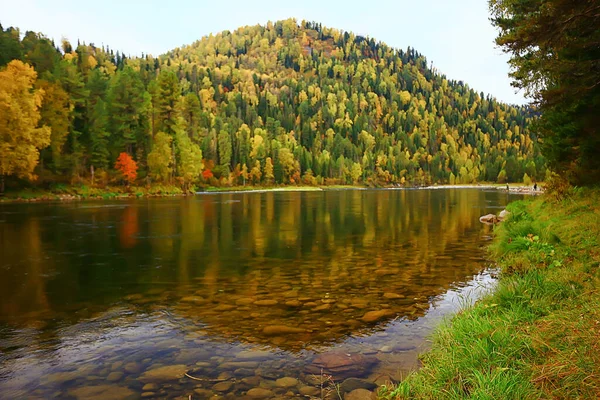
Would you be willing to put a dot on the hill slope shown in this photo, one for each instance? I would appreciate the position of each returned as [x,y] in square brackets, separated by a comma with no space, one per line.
[278,103]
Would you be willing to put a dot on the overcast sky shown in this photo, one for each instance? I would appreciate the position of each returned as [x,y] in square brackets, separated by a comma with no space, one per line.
[455,34]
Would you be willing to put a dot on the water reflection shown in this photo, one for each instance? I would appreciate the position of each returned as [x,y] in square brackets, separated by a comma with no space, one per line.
[99,294]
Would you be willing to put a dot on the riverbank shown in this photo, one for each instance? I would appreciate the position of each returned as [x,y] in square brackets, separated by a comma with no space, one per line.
[537,335]
[84,192]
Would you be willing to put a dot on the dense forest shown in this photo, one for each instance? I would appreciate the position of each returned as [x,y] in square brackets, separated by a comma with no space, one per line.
[283,103]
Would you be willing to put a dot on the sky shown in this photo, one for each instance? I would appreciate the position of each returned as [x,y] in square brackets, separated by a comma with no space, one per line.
[456,35]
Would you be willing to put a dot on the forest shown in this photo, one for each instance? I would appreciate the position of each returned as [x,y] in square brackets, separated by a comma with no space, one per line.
[281,103]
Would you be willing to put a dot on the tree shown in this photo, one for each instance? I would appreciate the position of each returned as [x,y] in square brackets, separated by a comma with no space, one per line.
[126,106]
[20,137]
[127,167]
[255,173]
[356,172]
[54,114]
[555,55]
[167,97]
[269,170]
[160,159]
[189,166]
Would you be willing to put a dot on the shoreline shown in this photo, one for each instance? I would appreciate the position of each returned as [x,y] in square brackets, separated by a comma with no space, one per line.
[535,336]
[81,193]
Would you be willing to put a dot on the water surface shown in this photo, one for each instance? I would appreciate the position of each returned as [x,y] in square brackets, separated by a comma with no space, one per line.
[120,299]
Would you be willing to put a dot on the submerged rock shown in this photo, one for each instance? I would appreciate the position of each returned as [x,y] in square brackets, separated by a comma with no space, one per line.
[281,330]
[373,316]
[360,394]
[167,373]
[259,393]
[286,382]
[342,365]
[101,392]
[352,384]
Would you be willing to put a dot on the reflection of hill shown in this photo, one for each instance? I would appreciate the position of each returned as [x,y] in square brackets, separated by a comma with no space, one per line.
[240,263]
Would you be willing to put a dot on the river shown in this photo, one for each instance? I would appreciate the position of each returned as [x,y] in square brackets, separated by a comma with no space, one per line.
[254,295]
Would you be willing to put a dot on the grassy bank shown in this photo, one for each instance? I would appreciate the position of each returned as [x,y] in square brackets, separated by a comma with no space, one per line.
[84,192]
[537,336]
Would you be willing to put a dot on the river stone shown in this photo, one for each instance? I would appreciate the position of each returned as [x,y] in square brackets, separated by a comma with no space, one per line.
[251,380]
[373,316]
[393,296]
[148,394]
[244,301]
[253,355]
[204,393]
[360,394]
[281,330]
[286,382]
[167,373]
[488,219]
[265,302]
[352,384]
[101,392]
[192,299]
[150,387]
[231,365]
[116,365]
[222,386]
[114,376]
[133,368]
[60,377]
[309,391]
[293,303]
[259,393]
[341,365]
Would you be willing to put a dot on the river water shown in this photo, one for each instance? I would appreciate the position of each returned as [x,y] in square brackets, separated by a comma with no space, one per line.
[234,295]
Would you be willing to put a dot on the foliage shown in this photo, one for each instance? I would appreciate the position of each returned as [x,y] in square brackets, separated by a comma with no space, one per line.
[555,55]
[160,159]
[127,167]
[275,103]
[20,136]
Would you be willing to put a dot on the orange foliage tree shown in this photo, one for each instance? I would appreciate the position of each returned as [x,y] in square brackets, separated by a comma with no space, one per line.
[127,166]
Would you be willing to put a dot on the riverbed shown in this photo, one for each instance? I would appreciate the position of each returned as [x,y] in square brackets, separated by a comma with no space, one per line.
[256,295]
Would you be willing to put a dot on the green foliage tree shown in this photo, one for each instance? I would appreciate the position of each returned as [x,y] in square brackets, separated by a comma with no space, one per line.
[190,165]
[160,159]
[555,54]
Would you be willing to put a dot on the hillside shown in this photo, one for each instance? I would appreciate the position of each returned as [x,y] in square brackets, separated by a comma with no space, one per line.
[280,103]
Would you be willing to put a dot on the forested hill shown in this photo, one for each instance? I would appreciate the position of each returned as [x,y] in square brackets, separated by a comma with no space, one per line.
[280,103]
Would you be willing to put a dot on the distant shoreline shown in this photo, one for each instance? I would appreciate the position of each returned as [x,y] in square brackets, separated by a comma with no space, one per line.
[120,193]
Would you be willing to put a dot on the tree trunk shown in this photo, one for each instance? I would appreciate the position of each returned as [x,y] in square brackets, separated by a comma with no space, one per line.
[1,185]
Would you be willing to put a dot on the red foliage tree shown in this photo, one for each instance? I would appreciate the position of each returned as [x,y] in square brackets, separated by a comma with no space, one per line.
[207,174]
[127,166]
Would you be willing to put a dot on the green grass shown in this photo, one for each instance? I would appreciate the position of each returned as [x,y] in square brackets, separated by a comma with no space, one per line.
[83,192]
[537,335]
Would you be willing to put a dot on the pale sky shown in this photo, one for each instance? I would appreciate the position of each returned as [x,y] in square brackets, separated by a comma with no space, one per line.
[455,34]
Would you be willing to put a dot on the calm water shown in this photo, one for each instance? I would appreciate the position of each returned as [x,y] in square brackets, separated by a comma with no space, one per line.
[121,299]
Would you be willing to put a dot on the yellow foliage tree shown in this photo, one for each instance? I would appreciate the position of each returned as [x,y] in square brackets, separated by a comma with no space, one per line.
[20,137]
